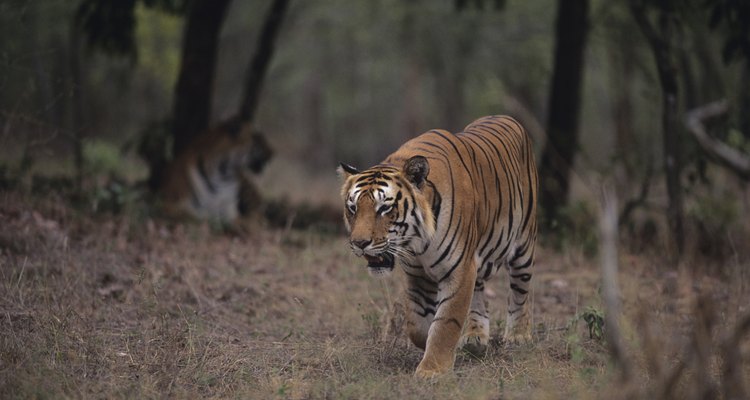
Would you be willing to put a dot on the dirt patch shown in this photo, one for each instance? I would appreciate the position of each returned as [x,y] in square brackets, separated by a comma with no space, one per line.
[111,306]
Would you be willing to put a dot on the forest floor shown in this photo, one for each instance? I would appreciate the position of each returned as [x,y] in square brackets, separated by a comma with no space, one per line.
[105,306]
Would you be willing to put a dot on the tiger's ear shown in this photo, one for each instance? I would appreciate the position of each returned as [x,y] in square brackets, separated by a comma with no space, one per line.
[416,170]
[346,170]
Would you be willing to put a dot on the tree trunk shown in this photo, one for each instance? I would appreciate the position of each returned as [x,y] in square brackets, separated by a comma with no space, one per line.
[564,104]
[192,102]
[744,101]
[661,45]
[263,54]
[622,70]
[76,120]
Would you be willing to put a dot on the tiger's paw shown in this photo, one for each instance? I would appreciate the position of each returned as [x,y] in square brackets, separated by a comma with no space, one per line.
[517,338]
[430,370]
[475,343]
[518,329]
[425,373]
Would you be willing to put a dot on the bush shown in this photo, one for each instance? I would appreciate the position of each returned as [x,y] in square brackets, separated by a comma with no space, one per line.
[576,226]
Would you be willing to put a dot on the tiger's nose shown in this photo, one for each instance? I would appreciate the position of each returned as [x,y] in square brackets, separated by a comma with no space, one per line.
[361,243]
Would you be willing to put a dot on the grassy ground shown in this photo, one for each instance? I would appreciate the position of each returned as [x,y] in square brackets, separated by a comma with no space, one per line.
[115,306]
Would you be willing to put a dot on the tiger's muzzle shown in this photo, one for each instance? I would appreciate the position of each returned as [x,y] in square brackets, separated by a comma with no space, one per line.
[384,260]
[377,255]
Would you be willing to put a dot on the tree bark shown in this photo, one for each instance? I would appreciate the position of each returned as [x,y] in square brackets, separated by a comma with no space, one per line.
[744,101]
[192,102]
[263,55]
[661,45]
[565,100]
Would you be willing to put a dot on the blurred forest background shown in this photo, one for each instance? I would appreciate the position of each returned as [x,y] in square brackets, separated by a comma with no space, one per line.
[101,101]
[86,84]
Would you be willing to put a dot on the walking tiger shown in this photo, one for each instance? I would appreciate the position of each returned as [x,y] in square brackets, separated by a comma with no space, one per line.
[451,210]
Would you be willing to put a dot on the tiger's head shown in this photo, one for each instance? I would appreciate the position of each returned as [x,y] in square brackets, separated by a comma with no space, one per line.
[388,211]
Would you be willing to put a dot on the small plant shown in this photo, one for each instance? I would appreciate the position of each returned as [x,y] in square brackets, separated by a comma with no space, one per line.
[371,318]
[283,390]
[113,197]
[594,319]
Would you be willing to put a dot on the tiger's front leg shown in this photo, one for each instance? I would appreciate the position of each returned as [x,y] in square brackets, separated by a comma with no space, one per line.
[421,295]
[454,298]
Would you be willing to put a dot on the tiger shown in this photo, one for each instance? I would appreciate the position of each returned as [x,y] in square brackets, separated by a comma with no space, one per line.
[450,210]
[210,179]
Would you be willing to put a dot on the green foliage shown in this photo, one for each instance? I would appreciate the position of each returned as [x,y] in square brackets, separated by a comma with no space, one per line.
[114,197]
[283,390]
[714,218]
[110,25]
[736,139]
[105,170]
[575,228]
[717,212]
[101,158]
[158,36]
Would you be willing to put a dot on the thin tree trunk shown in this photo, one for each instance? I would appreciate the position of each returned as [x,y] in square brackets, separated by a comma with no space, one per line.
[192,102]
[564,104]
[76,91]
[263,55]
[661,46]
[744,101]
[622,107]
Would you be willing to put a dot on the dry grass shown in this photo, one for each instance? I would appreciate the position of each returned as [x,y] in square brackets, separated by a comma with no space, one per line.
[94,306]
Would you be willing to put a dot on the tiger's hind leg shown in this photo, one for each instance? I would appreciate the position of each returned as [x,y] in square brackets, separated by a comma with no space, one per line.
[421,296]
[476,335]
[518,323]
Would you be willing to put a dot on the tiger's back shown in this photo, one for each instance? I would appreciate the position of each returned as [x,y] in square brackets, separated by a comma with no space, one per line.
[487,181]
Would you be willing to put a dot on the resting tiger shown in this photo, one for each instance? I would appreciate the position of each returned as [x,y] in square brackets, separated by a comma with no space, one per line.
[451,210]
[210,179]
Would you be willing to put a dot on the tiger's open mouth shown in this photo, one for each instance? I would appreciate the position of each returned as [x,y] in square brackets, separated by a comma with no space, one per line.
[381,261]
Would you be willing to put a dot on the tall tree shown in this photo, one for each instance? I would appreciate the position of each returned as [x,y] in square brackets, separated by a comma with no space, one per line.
[658,22]
[259,64]
[192,98]
[559,152]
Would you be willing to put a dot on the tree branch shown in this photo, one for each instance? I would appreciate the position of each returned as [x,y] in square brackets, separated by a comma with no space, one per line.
[727,156]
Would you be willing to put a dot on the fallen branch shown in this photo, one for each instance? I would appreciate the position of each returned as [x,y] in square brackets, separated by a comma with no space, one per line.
[726,155]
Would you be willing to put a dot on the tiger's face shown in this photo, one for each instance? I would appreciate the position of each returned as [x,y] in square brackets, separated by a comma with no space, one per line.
[387,212]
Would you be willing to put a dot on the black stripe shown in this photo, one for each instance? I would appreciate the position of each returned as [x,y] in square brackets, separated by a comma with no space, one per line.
[523,277]
[518,289]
